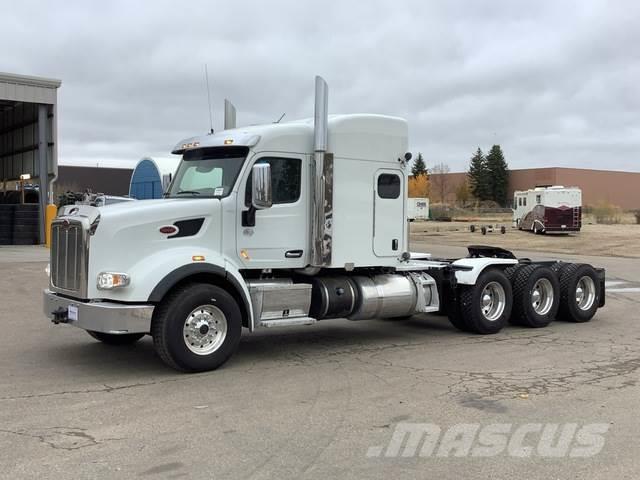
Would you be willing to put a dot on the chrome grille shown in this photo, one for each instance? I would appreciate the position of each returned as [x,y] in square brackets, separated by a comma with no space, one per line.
[68,257]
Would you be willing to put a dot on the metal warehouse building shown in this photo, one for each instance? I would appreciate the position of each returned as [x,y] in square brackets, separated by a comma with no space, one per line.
[110,181]
[28,149]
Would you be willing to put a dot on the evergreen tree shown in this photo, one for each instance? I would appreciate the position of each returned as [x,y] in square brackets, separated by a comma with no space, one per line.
[479,181]
[419,167]
[498,172]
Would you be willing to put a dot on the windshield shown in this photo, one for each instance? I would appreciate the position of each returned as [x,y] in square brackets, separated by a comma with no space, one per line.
[207,172]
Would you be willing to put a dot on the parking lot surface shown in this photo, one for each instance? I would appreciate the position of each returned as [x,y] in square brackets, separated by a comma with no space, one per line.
[321,401]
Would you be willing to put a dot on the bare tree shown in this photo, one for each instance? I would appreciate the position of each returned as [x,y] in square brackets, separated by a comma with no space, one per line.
[440,181]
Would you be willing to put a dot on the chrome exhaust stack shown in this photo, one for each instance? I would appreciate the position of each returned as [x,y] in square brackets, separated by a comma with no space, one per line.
[229,115]
[322,201]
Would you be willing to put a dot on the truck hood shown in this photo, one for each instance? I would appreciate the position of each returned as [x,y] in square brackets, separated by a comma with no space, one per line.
[128,239]
[166,210]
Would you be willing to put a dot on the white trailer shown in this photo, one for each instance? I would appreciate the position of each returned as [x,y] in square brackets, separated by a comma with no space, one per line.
[279,225]
[417,209]
[548,209]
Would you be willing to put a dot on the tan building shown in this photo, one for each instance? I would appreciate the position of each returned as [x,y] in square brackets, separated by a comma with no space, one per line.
[618,188]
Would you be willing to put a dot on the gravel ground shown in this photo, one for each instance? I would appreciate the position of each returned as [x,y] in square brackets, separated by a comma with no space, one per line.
[601,240]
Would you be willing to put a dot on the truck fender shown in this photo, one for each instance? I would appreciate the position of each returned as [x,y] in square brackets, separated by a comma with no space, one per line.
[233,281]
[467,270]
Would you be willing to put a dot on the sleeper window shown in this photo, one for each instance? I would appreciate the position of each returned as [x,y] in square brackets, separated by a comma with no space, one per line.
[388,186]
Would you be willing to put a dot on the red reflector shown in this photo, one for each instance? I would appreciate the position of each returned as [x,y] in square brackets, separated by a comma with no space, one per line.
[168,229]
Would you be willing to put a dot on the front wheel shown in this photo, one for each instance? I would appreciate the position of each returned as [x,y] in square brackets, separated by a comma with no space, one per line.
[116,339]
[196,328]
[486,306]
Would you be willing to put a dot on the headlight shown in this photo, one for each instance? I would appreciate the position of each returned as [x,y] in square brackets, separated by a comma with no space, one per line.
[47,269]
[109,280]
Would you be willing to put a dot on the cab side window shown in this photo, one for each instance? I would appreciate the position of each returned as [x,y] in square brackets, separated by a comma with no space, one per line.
[286,179]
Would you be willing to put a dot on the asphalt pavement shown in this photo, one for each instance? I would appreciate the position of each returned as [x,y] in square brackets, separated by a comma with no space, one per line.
[322,401]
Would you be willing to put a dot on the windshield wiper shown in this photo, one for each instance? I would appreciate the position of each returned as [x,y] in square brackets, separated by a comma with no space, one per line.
[187,192]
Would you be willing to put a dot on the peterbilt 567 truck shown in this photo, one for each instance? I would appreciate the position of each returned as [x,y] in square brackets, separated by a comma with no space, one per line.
[279,225]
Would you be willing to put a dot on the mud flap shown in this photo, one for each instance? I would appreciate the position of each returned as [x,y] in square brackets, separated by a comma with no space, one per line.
[601,278]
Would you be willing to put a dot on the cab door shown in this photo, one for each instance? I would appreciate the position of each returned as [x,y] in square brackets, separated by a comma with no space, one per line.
[276,237]
[389,221]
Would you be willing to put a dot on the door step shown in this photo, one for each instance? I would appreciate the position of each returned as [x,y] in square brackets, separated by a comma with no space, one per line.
[287,322]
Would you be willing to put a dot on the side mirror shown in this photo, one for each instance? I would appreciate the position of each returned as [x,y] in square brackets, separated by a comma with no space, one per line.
[261,195]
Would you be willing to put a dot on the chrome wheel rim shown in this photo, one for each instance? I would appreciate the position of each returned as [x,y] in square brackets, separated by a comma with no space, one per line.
[205,329]
[542,296]
[493,301]
[585,293]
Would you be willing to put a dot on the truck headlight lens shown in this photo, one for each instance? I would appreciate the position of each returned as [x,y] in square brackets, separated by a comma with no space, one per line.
[110,280]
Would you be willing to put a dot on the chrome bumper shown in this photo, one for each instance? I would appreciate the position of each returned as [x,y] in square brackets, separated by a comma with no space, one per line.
[106,317]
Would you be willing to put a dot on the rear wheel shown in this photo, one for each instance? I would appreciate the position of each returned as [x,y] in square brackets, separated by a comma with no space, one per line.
[197,327]
[115,339]
[456,317]
[536,296]
[579,292]
[486,306]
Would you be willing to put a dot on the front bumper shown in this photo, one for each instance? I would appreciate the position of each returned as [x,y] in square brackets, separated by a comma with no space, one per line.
[106,317]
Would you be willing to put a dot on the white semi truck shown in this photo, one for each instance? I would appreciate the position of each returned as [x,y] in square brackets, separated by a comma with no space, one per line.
[285,224]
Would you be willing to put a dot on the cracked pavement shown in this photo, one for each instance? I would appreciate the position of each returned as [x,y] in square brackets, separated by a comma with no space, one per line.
[308,402]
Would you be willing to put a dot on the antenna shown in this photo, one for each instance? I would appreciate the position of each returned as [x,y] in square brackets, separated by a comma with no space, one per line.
[281,117]
[206,77]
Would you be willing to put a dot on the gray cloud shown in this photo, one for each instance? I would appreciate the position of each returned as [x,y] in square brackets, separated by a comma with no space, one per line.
[555,83]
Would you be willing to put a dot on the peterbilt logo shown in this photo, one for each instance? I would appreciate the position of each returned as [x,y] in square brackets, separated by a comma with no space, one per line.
[65,223]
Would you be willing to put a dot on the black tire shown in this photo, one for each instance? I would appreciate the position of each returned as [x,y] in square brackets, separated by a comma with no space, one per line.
[472,228]
[167,327]
[524,281]
[511,271]
[570,276]
[112,339]
[470,303]
[455,315]
[484,230]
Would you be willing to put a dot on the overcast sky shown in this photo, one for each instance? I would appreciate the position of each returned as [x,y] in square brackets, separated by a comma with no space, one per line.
[556,83]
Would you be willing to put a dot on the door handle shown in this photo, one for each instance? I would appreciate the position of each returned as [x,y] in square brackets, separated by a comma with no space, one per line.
[293,254]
